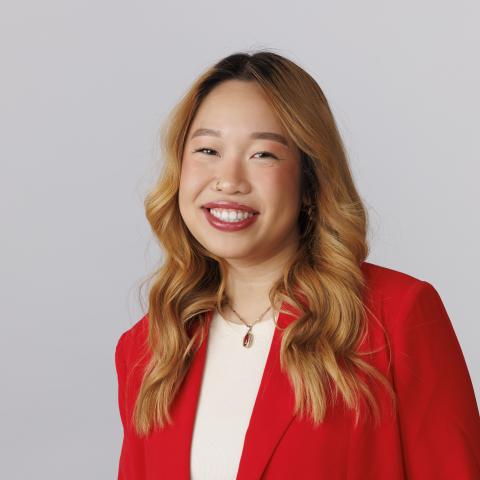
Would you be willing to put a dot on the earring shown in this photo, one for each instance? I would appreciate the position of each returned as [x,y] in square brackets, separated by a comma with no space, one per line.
[309,209]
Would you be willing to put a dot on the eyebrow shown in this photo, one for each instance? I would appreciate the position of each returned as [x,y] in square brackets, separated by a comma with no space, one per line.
[276,137]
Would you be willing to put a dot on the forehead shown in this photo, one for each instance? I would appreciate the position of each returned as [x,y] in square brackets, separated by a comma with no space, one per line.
[237,106]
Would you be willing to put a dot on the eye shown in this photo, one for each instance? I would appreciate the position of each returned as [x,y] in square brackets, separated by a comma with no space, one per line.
[204,148]
[267,154]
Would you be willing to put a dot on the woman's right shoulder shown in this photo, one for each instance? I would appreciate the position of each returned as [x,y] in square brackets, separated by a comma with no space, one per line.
[133,342]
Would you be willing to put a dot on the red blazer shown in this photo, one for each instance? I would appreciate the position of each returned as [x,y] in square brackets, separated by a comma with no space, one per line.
[435,435]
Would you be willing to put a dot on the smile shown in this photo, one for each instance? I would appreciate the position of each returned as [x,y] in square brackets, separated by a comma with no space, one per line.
[229,220]
[229,215]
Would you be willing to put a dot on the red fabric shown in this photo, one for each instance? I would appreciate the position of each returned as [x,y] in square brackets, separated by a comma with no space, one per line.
[435,434]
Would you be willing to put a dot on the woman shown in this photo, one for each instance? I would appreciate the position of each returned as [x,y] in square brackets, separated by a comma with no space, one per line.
[271,349]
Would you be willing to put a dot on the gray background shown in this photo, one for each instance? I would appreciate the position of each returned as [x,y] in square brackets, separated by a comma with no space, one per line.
[84,88]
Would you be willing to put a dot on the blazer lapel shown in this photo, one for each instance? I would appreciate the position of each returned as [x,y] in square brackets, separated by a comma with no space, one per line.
[271,415]
[168,451]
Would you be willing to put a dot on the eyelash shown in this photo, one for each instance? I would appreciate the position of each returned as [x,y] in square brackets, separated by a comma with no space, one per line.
[212,150]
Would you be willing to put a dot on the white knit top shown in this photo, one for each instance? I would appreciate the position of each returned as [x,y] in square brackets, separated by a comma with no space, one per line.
[230,383]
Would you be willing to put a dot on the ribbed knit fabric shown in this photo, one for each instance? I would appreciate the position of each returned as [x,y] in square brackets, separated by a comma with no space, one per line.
[230,384]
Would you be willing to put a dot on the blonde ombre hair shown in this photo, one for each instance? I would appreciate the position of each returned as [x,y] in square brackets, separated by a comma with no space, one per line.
[323,280]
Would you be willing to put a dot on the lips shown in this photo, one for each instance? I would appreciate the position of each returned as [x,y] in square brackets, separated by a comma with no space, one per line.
[219,224]
[230,205]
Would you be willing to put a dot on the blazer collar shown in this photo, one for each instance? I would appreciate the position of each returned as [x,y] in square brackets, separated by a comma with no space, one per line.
[271,415]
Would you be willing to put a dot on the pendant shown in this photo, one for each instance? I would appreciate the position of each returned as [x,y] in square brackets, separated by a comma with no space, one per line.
[248,339]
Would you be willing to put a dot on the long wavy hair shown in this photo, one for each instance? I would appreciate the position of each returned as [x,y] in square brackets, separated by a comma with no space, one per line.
[323,280]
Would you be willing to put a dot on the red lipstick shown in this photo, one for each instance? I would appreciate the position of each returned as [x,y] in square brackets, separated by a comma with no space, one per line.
[219,224]
[230,205]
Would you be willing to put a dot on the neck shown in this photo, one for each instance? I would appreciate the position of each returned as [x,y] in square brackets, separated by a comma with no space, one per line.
[248,286]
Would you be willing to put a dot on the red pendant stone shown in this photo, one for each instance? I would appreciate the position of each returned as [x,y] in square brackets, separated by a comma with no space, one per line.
[247,339]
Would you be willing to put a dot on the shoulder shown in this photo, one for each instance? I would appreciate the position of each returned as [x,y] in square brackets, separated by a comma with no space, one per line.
[132,344]
[388,281]
[437,409]
[393,294]
[419,330]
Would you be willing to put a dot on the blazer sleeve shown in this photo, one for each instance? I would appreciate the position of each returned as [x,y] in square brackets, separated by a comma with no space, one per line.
[438,413]
[131,466]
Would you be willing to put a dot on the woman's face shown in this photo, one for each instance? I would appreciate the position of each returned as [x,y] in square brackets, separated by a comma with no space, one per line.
[268,182]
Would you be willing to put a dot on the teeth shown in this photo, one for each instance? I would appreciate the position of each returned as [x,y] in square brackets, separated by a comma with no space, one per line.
[231,216]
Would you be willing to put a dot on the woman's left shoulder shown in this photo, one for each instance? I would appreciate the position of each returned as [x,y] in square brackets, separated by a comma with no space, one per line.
[437,408]
[397,295]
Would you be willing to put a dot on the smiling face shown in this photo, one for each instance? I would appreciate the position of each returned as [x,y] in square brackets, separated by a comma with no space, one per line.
[260,171]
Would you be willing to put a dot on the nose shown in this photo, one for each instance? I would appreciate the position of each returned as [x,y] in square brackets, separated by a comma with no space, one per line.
[230,177]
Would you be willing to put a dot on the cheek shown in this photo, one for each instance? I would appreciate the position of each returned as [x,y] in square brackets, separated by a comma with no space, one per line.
[283,186]
[191,179]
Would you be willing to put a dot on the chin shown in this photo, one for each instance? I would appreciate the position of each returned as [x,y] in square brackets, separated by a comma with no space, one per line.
[227,252]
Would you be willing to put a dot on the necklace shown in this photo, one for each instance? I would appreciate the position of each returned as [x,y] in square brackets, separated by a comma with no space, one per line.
[248,338]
